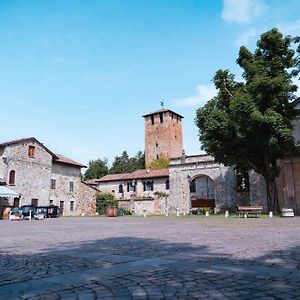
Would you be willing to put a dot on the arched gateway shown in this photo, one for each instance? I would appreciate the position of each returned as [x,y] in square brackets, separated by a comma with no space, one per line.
[202,191]
[198,181]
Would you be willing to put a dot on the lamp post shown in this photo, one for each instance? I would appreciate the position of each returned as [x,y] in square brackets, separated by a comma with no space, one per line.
[133,184]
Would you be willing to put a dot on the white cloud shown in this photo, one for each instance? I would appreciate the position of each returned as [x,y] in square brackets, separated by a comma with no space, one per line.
[242,11]
[205,92]
[247,37]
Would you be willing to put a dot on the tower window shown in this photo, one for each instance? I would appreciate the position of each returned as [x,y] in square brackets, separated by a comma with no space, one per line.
[161,117]
[157,157]
[167,184]
[156,145]
[152,120]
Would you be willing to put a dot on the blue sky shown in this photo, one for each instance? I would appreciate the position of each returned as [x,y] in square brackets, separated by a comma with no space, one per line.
[79,75]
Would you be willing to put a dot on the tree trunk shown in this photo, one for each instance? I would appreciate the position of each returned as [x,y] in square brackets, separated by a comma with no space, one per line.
[272,195]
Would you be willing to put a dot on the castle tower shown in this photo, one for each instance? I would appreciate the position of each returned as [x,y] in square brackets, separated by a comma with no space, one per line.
[163,135]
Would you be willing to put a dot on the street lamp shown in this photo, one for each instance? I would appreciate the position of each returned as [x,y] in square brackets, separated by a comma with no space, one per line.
[133,184]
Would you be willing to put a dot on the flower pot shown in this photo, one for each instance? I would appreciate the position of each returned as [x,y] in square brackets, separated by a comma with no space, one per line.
[112,212]
[287,212]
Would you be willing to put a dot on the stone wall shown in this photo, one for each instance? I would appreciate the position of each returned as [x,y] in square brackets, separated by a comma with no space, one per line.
[86,200]
[63,175]
[32,174]
[185,169]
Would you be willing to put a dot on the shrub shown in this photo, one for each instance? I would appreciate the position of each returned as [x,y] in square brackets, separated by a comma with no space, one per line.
[105,200]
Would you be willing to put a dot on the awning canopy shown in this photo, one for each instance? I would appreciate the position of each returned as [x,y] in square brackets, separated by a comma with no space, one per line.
[6,192]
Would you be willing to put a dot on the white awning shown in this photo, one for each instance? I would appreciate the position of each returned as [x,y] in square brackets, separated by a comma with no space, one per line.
[6,192]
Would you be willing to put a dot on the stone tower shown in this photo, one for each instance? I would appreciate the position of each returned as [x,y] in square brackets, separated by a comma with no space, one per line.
[163,135]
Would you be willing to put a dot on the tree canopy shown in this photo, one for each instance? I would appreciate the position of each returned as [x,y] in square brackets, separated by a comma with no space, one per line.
[126,164]
[96,169]
[248,124]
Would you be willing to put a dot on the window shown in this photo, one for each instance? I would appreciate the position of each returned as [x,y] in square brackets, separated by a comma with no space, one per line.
[167,184]
[156,145]
[161,117]
[121,190]
[31,150]
[53,184]
[148,185]
[51,202]
[193,186]
[12,177]
[16,202]
[71,186]
[72,206]
[34,202]
[152,120]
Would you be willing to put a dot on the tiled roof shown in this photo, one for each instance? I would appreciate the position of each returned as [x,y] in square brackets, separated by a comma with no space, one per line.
[162,111]
[32,139]
[148,173]
[65,160]
[91,181]
[113,177]
[138,174]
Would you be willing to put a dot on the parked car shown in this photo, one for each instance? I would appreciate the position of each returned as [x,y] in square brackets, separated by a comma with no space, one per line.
[48,211]
[15,214]
[28,212]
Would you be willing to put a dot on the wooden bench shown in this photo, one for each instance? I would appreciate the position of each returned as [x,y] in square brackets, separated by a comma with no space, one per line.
[250,210]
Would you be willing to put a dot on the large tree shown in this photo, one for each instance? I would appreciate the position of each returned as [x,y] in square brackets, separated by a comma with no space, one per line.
[248,124]
[96,169]
[126,164]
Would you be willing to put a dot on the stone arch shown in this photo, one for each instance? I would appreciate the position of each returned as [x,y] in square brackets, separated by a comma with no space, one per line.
[202,191]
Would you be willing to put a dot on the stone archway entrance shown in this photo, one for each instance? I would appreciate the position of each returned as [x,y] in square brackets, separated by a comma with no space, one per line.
[202,191]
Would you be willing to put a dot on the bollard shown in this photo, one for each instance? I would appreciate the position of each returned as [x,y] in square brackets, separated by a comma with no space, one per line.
[144,213]
[177,212]
[226,214]
[271,214]
[207,214]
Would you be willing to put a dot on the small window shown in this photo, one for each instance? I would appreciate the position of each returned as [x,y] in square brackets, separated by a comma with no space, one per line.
[152,119]
[167,184]
[53,184]
[16,202]
[72,206]
[31,151]
[51,202]
[121,189]
[157,157]
[148,185]
[156,145]
[12,177]
[71,186]
[34,202]
[161,117]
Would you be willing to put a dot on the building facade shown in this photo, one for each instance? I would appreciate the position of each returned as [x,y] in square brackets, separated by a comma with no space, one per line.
[42,178]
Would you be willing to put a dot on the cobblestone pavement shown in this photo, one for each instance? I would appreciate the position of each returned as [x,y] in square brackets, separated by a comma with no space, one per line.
[150,258]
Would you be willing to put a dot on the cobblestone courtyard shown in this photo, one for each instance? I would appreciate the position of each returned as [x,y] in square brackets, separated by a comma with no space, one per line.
[150,258]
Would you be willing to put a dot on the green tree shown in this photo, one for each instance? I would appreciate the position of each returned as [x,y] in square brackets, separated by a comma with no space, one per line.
[125,164]
[248,124]
[105,200]
[96,169]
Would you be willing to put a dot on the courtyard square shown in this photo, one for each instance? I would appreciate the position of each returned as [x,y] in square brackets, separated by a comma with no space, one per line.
[150,258]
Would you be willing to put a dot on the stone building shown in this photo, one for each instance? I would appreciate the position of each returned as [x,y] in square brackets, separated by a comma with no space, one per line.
[43,178]
[163,135]
[197,180]
[140,191]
